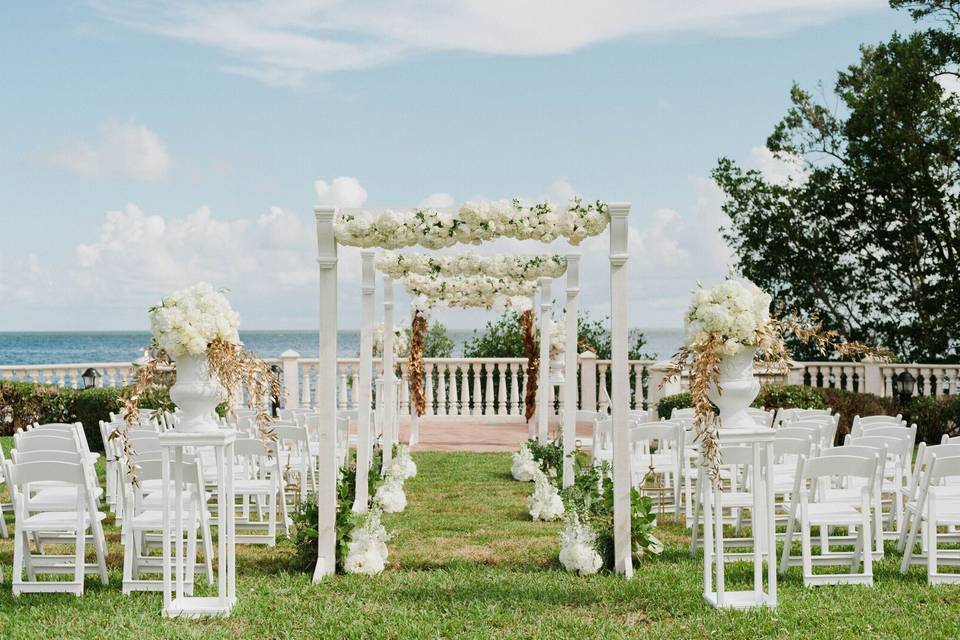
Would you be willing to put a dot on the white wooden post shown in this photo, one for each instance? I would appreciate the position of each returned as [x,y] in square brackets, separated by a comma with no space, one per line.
[326,397]
[290,361]
[367,292]
[389,374]
[543,392]
[620,391]
[570,367]
[588,381]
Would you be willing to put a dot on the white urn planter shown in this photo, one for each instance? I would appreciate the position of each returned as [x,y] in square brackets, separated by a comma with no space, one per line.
[738,388]
[556,370]
[197,395]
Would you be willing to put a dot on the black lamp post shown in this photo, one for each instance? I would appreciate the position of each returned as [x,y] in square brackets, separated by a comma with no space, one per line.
[90,377]
[903,385]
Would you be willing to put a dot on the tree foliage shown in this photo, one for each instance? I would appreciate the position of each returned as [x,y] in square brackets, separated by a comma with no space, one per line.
[503,338]
[867,235]
[436,342]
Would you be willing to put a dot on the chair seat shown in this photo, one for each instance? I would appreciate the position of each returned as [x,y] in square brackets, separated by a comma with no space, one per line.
[833,513]
[155,500]
[257,487]
[153,519]
[55,520]
[62,498]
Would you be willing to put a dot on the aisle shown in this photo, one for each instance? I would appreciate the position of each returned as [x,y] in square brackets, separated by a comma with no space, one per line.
[465,508]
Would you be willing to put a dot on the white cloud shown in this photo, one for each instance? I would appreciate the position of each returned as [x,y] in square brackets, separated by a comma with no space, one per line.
[341,192]
[778,170]
[282,42]
[437,200]
[125,149]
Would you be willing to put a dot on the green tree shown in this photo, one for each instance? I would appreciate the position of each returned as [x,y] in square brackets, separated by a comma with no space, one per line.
[436,343]
[502,338]
[868,237]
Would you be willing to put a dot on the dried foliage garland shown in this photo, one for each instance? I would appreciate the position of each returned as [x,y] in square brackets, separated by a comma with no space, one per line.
[417,333]
[772,351]
[533,363]
[235,368]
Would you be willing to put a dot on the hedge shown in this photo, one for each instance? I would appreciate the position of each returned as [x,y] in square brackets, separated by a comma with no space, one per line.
[22,403]
[935,417]
[937,420]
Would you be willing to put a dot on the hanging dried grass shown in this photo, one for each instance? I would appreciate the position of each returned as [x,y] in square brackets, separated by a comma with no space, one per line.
[533,363]
[417,332]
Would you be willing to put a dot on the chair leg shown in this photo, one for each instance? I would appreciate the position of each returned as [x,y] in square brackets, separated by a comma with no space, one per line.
[865,551]
[207,543]
[694,523]
[788,538]
[3,525]
[805,550]
[100,545]
[78,570]
[192,553]
[20,539]
[128,552]
[931,532]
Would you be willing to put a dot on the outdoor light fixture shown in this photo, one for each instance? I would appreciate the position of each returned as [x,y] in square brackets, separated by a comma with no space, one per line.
[274,401]
[903,384]
[90,377]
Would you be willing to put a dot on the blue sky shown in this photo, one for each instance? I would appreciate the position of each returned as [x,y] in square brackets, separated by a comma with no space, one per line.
[147,145]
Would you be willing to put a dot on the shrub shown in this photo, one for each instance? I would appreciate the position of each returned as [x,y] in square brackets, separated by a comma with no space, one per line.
[849,404]
[22,403]
[789,396]
[935,417]
[677,401]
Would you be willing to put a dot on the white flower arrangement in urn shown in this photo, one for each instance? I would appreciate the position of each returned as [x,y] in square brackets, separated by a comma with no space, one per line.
[196,331]
[727,329]
[401,346]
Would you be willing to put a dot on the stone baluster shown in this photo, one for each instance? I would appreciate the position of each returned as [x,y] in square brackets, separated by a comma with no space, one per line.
[305,387]
[488,390]
[477,394]
[502,403]
[454,399]
[516,402]
[428,388]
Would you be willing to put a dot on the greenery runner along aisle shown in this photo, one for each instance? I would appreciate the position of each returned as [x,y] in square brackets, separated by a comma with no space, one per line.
[466,561]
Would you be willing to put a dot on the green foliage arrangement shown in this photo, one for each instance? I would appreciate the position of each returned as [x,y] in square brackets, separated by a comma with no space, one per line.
[436,342]
[549,456]
[591,498]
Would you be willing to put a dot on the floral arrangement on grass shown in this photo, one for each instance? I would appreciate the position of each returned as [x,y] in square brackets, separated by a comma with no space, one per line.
[544,503]
[472,223]
[589,505]
[400,265]
[726,320]
[524,467]
[403,465]
[401,346]
[390,495]
[367,546]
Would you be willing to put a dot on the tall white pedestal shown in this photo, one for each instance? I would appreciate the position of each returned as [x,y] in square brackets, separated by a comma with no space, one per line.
[760,440]
[173,445]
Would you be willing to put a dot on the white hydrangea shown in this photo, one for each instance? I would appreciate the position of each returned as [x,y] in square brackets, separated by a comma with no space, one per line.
[578,548]
[367,548]
[524,466]
[400,265]
[390,495]
[558,336]
[400,346]
[466,291]
[731,311]
[403,465]
[544,503]
[473,223]
[187,321]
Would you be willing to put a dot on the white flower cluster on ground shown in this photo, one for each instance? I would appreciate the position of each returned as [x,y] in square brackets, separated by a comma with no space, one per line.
[400,344]
[367,548]
[468,291]
[545,502]
[390,494]
[403,464]
[731,312]
[399,265]
[524,466]
[472,223]
[187,321]
[578,548]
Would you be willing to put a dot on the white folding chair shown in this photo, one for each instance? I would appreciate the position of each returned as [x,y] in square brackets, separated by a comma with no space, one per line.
[859,422]
[602,441]
[293,445]
[810,507]
[922,463]
[762,417]
[144,516]
[75,523]
[896,476]
[936,506]
[657,448]
[262,483]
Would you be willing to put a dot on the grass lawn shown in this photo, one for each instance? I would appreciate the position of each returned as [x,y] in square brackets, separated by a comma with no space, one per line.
[466,561]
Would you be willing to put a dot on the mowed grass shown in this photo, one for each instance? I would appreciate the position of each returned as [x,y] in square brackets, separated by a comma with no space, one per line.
[467,562]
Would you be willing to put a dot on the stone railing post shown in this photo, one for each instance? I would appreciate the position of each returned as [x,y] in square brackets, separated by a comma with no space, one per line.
[290,361]
[872,381]
[588,381]
[658,388]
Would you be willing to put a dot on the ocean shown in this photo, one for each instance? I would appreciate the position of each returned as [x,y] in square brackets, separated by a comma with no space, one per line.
[125,346]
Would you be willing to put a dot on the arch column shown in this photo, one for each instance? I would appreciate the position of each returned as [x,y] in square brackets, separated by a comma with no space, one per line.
[326,398]
[620,389]
[367,292]
[543,391]
[389,428]
[570,367]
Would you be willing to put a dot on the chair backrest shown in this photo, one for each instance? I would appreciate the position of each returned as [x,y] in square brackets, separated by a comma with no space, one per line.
[901,447]
[893,432]
[289,433]
[827,429]
[603,435]
[841,465]
[18,456]
[679,412]
[801,431]
[784,445]
[42,442]
[943,467]
[762,416]
[25,473]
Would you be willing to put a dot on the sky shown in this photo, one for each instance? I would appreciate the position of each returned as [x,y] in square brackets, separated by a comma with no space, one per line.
[147,145]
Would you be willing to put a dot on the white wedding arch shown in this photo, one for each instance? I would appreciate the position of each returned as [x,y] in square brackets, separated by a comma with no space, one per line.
[472,223]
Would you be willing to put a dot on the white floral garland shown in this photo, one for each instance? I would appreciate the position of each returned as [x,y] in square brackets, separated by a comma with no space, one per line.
[468,291]
[473,223]
[399,265]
